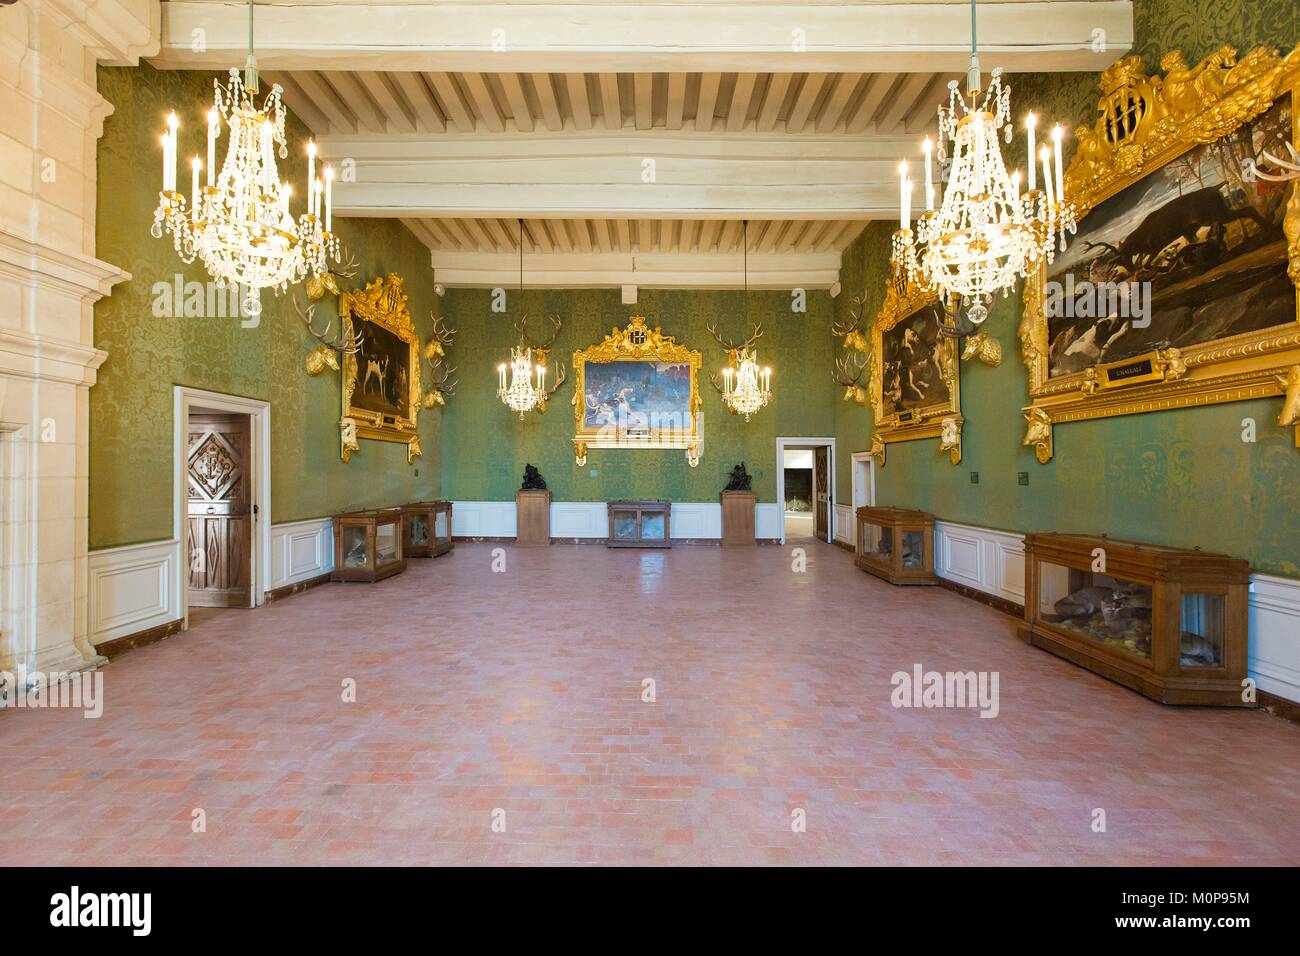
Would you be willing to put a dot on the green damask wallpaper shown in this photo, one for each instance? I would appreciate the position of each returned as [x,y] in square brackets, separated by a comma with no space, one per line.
[1183,477]
[131,406]
[485,446]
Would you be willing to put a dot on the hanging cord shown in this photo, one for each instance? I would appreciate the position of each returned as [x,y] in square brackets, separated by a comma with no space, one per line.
[250,65]
[973,73]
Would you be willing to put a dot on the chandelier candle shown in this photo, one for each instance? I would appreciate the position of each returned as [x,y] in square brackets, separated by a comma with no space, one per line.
[1030,121]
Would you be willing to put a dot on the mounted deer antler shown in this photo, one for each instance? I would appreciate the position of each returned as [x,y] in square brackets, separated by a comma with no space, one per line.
[853,335]
[438,371]
[331,345]
[848,373]
[541,352]
[326,355]
[323,282]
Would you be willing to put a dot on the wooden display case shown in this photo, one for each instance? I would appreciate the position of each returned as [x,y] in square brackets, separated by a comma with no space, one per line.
[896,544]
[639,524]
[368,545]
[426,529]
[1168,622]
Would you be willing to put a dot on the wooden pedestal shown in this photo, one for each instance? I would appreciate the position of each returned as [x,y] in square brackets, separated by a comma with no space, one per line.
[532,517]
[738,518]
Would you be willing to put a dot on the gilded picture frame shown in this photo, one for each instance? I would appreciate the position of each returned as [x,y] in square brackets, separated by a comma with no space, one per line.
[915,373]
[1146,123]
[654,404]
[381,382]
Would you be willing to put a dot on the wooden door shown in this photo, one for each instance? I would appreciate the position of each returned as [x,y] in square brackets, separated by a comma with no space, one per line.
[219,519]
[821,491]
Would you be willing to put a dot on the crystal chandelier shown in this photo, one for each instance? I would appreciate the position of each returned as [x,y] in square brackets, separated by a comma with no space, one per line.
[985,233]
[516,381]
[239,224]
[745,389]
[521,394]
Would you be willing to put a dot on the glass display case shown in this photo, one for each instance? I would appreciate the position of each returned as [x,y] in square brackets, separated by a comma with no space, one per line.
[896,544]
[639,524]
[368,545]
[1168,622]
[427,529]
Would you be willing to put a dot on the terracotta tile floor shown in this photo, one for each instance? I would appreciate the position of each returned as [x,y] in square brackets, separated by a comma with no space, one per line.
[522,691]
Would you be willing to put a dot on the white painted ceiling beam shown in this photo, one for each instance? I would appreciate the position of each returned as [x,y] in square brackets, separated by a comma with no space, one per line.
[666,270]
[601,175]
[633,36]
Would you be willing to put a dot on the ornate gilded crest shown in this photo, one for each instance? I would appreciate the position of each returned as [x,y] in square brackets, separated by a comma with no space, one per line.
[381,381]
[915,379]
[637,389]
[1182,287]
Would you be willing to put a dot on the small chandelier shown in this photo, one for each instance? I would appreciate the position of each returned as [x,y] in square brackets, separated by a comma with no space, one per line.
[985,234]
[521,394]
[745,388]
[517,388]
[240,224]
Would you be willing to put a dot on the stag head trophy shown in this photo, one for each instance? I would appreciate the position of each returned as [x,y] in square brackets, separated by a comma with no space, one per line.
[541,349]
[332,344]
[734,351]
[434,355]
[852,334]
[848,373]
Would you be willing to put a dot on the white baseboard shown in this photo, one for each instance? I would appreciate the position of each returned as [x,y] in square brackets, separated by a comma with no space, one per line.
[846,525]
[700,520]
[300,551]
[980,558]
[133,588]
[1274,655]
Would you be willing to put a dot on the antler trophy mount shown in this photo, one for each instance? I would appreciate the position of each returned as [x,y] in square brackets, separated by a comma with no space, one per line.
[438,372]
[541,350]
[848,374]
[331,343]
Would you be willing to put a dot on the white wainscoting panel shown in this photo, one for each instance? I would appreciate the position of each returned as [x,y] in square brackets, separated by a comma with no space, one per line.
[846,525]
[300,551]
[581,519]
[769,521]
[483,519]
[1274,660]
[980,558]
[700,520]
[133,588]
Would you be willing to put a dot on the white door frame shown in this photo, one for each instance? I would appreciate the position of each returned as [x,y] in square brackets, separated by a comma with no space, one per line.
[781,445]
[860,495]
[259,472]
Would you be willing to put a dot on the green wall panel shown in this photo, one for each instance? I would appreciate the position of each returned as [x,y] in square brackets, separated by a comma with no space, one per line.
[131,405]
[485,446]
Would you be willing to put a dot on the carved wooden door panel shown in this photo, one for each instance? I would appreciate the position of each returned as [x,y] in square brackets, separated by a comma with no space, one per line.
[821,490]
[219,525]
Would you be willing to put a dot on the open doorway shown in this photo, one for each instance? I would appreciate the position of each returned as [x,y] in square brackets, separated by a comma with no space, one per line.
[799,498]
[805,486]
[222,501]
